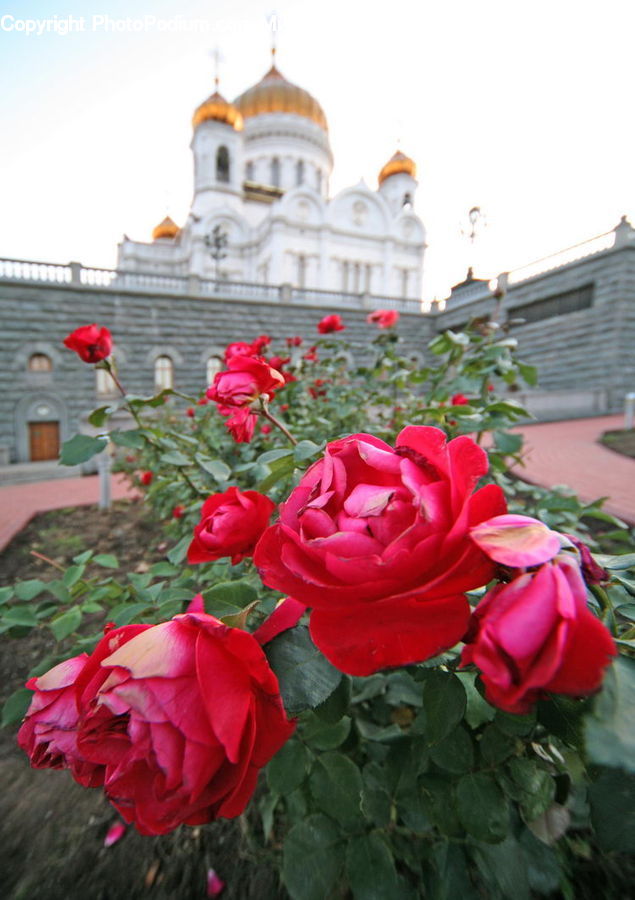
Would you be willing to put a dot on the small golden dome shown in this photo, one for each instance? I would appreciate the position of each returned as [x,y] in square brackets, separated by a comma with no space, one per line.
[165,229]
[399,163]
[216,108]
[274,94]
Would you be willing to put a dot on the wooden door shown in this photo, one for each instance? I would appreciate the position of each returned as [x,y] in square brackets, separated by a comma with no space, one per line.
[44,440]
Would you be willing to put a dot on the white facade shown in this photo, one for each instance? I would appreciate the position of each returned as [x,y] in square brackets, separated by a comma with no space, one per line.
[267,186]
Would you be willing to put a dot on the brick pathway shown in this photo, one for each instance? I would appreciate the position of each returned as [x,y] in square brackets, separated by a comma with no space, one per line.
[20,502]
[555,453]
[568,453]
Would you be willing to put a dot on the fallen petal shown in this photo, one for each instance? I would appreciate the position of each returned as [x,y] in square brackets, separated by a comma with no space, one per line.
[215,885]
[114,834]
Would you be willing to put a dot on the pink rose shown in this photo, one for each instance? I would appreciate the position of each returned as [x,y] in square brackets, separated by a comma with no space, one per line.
[537,635]
[376,540]
[238,348]
[91,343]
[383,318]
[175,720]
[330,323]
[231,524]
[243,382]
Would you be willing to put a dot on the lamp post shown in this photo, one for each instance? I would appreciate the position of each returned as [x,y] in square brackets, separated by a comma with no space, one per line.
[216,243]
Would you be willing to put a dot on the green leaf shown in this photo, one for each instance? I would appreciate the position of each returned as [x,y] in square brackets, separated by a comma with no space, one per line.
[564,718]
[543,865]
[610,729]
[336,788]
[455,753]
[80,448]
[178,553]
[305,450]
[439,804]
[66,624]
[528,373]
[482,807]
[270,456]
[322,735]
[537,787]
[18,615]
[288,768]
[612,799]
[453,882]
[507,443]
[305,676]
[82,558]
[495,746]
[334,707]
[376,803]
[164,570]
[214,467]
[175,458]
[515,725]
[15,706]
[312,859]
[132,438]
[72,575]
[444,702]
[618,563]
[278,469]
[27,590]
[503,869]
[371,869]
[99,416]
[478,709]
[106,560]
[402,689]
[6,593]
[124,613]
[237,594]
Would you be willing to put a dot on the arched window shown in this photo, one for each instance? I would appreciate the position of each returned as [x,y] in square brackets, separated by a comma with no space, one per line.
[275,172]
[407,200]
[249,172]
[222,164]
[163,373]
[40,362]
[299,172]
[213,366]
[104,385]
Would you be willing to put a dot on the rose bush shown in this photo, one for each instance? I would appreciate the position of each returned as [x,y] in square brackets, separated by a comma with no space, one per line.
[174,720]
[231,524]
[376,541]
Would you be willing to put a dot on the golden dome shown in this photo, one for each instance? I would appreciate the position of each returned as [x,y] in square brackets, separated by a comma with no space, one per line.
[399,163]
[165,229]
[274,94]
[217,109]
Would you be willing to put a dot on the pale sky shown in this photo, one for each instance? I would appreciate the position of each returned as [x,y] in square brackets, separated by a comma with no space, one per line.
[524,109]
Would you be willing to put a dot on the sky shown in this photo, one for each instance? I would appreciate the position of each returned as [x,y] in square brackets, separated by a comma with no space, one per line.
[523,109]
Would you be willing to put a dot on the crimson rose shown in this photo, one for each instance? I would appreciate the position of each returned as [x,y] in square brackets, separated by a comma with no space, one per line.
[330,323]
[245,379]
[230,525]
[90,342]
[376,540]
[174,720]
[537,634]
[383,318]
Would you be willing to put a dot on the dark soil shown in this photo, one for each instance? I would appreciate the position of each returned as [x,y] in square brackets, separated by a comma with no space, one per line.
[51,830]
[620,441]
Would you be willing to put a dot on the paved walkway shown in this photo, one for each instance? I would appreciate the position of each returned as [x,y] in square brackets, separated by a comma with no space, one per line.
[20,502]
[555,453]
[568,453]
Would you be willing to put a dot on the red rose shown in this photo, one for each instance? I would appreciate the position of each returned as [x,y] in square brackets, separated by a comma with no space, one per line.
[90,342]
[294,341]
[241,424]
[330,323]
[190,412]
[202,401]
[239,348]
[383,318]
[311,355]
[265,429]
[536,635]
[260,343]
[376,540]
[175,720]
[243,382]
[459,400]
[177,512]
[230,525]
[146,478]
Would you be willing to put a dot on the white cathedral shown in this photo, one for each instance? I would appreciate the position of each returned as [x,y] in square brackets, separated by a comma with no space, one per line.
[262,166]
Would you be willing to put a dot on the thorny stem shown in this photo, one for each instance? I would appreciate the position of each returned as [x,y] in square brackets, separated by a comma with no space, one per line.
[46,559]
[263,411]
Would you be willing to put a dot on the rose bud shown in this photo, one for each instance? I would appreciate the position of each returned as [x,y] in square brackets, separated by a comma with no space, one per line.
[238,348]
[330,323]
[376,540]
[190,412]
[178,512]
[146,478]
[383,318]
[231,524]
[537,635]
[260,343]
[265,429]
[294,341]
[459,400]
[91,343]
